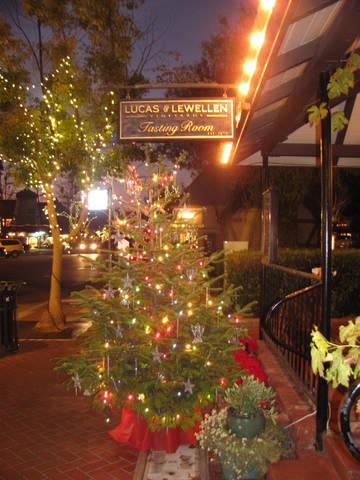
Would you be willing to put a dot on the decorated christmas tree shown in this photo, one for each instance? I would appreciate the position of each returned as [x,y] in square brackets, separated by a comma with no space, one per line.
[162,330]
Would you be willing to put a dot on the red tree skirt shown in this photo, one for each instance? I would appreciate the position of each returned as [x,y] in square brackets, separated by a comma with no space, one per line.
[134,431]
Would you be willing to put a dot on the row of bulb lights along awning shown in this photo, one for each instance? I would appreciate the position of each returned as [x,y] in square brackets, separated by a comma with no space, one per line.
[256,41]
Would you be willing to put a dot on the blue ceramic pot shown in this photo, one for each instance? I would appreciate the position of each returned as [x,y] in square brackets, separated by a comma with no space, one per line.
[246,427]
[228,474]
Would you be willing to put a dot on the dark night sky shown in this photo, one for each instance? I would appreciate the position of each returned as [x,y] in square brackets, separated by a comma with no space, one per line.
[184,24]
[181,25]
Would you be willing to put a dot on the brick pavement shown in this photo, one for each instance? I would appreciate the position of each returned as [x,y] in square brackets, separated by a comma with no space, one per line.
[45,431]
[48,433]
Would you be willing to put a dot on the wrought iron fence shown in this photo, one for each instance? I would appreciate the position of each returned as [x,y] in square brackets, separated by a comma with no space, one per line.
[279,281]
[292,300]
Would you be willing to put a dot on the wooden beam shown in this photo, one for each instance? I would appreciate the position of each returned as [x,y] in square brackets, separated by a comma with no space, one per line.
[302,118]
[271,96]
[312,150]
[307,7]
[164,86]
[264,120]
[329,54]
[340,137]
[293,58]
[277,27]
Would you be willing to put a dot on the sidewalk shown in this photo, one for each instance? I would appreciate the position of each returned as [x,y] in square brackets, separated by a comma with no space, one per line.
[29,313]
[45,431]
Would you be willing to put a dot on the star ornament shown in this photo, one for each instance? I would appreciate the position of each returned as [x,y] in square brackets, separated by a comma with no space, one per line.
[109,292]
[127,282]
[188,386]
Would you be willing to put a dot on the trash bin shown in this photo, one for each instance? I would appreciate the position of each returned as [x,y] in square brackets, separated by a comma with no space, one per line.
[8,326]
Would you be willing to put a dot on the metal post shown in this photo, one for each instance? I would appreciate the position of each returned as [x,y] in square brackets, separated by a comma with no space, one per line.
[266,173]
[265,180]
[326,256]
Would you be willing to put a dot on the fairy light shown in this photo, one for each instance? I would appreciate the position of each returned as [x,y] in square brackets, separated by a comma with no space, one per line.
[244,88]
[250,67]
[257,39]
[226,153]
[267,5]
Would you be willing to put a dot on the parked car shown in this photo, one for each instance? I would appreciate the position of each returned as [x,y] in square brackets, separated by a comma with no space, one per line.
[13,246]
[85,246]
[343,240]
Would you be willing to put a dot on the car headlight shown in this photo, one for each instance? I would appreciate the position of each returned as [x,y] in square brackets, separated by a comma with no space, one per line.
[93,246]
[82,246]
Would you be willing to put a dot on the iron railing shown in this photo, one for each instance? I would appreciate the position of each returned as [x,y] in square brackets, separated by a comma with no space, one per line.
[279,281]
[290,307]
[288,326]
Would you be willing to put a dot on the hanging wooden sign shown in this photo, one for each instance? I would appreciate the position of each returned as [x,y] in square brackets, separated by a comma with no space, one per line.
[166,120]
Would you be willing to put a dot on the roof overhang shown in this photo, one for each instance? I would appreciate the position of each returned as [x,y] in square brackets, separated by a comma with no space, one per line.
[304,38]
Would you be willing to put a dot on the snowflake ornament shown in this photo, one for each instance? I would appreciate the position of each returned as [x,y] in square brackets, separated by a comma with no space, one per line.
[156,355]
[190,273]
[77,383]
[118,331]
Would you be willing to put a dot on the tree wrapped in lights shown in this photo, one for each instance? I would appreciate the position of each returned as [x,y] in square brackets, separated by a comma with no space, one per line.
[162,335]
[46,138]
[56,128]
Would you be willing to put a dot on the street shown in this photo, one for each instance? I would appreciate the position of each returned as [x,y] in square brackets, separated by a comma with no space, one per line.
[35,269]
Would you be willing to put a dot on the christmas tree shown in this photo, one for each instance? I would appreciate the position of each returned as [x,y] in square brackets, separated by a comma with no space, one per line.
[162,335]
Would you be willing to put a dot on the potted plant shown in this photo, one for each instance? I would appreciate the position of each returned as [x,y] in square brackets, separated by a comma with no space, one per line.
[241,458]
[249,403]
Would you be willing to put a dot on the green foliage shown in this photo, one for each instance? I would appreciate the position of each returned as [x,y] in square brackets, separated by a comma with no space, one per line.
[345,296]
[161,338]
[244,269]
[54,136]
[250,398]
[342,360]
[338,121]
[317,113]
[72,121]
[340,83]
[354,61]
[241,455]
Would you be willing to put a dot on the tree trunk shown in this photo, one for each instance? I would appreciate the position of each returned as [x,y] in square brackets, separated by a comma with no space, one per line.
[54,318]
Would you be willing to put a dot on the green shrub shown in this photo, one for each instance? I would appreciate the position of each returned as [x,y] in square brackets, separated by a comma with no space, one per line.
[345,297]
[244,269]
